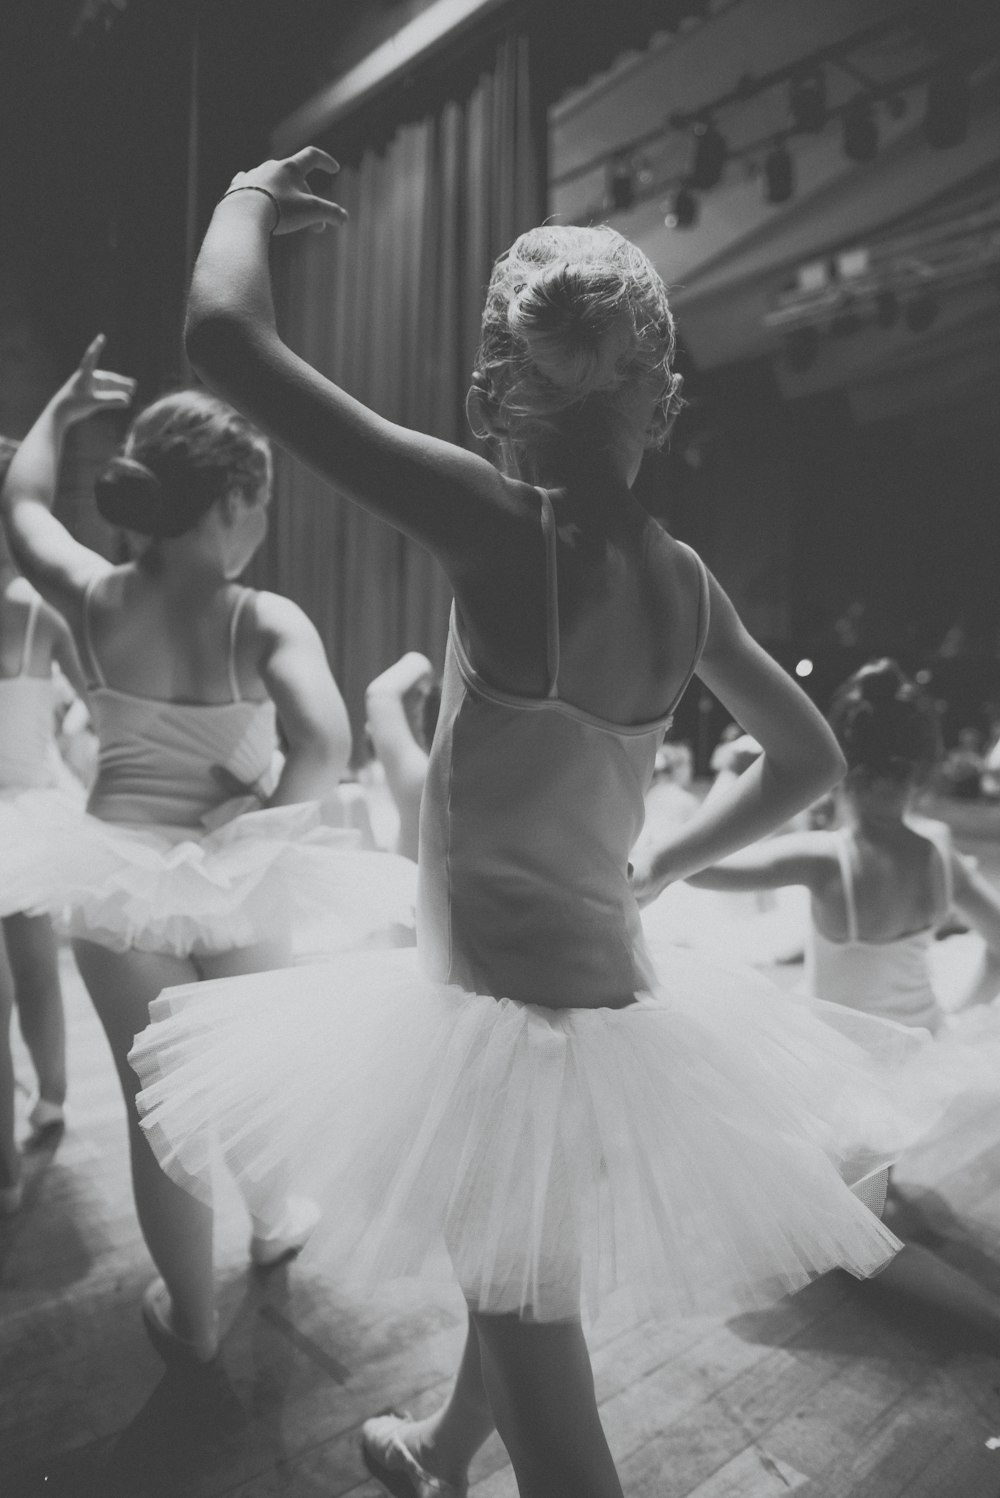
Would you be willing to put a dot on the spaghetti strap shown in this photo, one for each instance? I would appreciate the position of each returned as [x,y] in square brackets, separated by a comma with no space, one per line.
[234,620]
[92,662]
[847,879]
[29,635]
[551,595]
[941,842]
[701,635]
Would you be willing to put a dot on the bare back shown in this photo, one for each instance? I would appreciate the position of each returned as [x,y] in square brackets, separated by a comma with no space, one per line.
[883,886]
[172,645]
[628,608]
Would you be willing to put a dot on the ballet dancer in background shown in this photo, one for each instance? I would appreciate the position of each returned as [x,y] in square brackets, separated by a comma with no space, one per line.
[189,675]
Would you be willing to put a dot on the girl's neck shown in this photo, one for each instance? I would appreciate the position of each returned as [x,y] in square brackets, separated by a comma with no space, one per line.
[181,569]
[876,813]
[597,476]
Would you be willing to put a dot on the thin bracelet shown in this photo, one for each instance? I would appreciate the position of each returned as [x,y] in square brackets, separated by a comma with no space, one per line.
[252,187]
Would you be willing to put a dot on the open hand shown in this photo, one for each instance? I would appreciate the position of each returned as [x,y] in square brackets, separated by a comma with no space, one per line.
[90,389]
[298,206]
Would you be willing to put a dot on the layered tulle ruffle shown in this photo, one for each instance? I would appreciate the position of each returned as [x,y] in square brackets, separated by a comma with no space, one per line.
[698,1146]
[260,875]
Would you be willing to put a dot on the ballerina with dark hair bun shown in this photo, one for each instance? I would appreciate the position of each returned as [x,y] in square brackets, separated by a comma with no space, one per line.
[166,877]
[882,882]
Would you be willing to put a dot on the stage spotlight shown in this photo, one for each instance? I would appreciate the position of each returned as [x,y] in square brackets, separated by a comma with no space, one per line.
[921,311]
[860,130]
[622,185]
[683,211]
[946,122]
[807,102]
[886,308]
[709,156]
[779,174]
[801,348]
[804,667]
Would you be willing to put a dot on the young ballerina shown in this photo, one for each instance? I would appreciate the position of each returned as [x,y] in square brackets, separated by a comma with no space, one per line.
[882,882]
[523,1086]
[879,886]
[401,706]
[190,677]
[33,638]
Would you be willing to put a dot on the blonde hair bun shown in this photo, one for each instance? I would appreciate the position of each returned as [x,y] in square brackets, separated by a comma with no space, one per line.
[575,315]
[576,326]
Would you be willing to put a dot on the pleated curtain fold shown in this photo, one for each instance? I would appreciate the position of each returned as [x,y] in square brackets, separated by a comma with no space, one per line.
[388,307]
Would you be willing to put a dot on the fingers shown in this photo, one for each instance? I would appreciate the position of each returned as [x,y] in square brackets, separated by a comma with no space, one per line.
[111,379]
[312,159]
[94,351]
[329,213]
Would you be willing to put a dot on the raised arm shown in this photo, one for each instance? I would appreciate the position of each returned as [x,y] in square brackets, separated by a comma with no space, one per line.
[441,495]
[800,757]
[294,668]
[48,556]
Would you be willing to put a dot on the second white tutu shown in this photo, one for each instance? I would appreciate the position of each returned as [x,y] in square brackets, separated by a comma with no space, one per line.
[697,1146]
[262,874]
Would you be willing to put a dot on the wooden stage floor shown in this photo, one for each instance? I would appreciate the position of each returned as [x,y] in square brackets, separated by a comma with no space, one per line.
[839,1392]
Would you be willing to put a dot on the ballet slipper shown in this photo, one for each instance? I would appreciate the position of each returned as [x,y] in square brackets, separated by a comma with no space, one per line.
[289,1237]
[196,1352]
[11,1198]
[396,1468]
[45,1118]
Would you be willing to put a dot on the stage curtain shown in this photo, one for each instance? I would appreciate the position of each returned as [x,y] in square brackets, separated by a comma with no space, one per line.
[389,307]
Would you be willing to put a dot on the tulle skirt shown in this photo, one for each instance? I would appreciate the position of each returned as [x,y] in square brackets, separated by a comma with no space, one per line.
[263,874]
[709,1146]
[758,927]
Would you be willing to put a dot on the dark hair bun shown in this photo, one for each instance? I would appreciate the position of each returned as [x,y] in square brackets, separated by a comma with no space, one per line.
[131,495]
[885,724]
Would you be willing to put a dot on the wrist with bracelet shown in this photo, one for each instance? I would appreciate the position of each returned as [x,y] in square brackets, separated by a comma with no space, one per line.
[252,187]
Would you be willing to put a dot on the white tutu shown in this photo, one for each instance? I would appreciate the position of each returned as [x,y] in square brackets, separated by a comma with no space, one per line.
[760,927]
[693,1146]
[263,873]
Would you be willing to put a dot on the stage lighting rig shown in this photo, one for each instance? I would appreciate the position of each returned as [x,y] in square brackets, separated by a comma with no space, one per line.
[860,130]
[807,102]
[779,174]
[708,159]
[683,211]
[622,183]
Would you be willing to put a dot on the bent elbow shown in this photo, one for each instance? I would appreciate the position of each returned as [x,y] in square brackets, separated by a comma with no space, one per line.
[836,766]
[215,343]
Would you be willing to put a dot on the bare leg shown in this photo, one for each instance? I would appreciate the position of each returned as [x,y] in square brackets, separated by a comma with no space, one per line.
[950,1301]
[265,1198]
[10,1159]
[34,962]
[446,1441]
[540,1386]
[176,1226]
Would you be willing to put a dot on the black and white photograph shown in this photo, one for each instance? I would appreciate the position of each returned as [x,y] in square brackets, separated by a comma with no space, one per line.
[500,749]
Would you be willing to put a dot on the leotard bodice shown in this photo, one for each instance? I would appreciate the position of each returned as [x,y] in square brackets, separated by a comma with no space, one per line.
[530,810]
[158,760]
[27,705]
[890,979]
